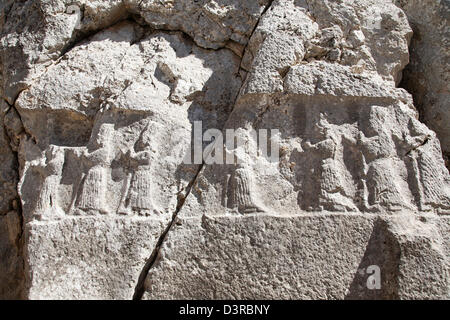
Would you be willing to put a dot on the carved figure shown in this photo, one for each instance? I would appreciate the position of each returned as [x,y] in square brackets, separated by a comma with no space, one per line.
[433,189]
[327,173]
[94,184]
[47,206]
[138,191]
[381,178]
[241,192]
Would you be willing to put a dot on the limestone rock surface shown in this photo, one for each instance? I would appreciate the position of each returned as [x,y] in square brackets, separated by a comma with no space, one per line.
[351,143]
[109,189]
[427,76]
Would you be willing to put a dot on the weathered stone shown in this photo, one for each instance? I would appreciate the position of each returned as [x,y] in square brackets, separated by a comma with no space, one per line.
[29,46]
[131,119]
[350,142]
[103,195]
[423,261]
[88,258]
[210,23]
[11,257]
[260,257]
[109,137]
[8,166]
[427,76]
[11,260]
[318,256]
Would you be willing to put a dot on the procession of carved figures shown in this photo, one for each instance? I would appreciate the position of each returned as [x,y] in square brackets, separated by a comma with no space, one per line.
[90,188]
[368,169]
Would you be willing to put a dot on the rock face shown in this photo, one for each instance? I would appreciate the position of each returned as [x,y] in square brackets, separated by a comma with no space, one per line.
[427,76]
[113,179]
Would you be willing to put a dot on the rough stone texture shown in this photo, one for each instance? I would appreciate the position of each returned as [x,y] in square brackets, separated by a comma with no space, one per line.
[427,76]
[268,257]
[8,164]
[265,257]
[11,261]
[97,116]
[350,142]
[11,257]
[107,128]
[29,46]
[91,258]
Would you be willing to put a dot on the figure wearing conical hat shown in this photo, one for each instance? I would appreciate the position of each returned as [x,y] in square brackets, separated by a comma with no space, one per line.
[47,206]
[138,195]
[241,191]
[435,190]
[97,159]
[328,173]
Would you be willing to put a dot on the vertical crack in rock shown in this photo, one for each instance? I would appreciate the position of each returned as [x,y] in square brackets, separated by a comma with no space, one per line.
[108,112]
[140,287]
[269,5]
[62,111]
[13,139]
[348,132]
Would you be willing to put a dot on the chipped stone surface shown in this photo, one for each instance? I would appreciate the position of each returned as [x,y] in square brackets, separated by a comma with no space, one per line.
[11,261]
[122,136]
[91,257]
[211,23]
[269,257]
[350,142]
[107,129]
[101,198]
[427,76]
[265,257]
[29,46]
[11,257]
[8,164]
